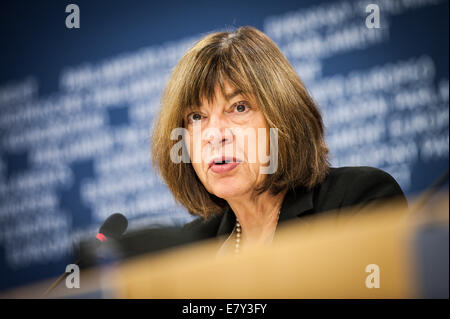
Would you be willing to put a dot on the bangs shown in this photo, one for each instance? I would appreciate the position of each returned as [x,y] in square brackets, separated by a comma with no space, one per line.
[212,67]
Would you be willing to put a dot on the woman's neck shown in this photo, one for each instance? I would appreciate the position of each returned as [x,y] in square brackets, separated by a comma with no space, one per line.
[258,216]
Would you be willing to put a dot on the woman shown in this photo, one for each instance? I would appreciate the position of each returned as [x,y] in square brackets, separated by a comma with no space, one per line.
[252,143]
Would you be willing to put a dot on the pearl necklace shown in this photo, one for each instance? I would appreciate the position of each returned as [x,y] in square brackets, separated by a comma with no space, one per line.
[238,237]
[239,231]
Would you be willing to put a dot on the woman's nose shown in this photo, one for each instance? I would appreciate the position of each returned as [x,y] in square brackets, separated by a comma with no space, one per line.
[218,137]
[217,132]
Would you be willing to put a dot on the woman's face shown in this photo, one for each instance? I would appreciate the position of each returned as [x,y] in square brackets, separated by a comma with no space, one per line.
[225,140]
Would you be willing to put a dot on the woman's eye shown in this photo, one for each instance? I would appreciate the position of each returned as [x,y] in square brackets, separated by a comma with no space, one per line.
[194,117]
[241,108]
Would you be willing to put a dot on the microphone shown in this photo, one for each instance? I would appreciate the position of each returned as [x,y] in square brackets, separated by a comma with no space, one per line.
[113,227]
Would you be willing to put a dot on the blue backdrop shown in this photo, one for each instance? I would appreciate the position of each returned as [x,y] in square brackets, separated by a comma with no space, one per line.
[76,105]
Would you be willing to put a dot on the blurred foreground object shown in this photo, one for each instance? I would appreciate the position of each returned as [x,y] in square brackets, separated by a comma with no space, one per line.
[328,256]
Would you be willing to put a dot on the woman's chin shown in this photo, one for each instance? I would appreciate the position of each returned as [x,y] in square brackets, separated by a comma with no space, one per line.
[228,191]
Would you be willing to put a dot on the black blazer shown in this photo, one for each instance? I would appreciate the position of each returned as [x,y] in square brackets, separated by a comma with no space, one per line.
[342,187]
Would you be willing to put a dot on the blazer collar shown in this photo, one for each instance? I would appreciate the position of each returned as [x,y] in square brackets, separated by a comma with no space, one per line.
[295,203]
[227,223]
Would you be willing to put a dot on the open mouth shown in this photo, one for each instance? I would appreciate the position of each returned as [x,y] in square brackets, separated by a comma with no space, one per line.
[224,164]
[223,160]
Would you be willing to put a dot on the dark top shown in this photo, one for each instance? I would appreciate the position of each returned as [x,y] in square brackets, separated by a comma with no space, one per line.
[343,187]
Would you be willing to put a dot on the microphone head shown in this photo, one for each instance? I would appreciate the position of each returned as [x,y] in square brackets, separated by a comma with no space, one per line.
[114,226]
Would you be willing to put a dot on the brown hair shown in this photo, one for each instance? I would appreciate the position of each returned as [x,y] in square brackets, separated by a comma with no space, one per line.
[251,62]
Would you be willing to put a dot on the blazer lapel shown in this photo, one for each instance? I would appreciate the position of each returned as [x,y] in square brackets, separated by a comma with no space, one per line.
[227,223]
[296,203]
